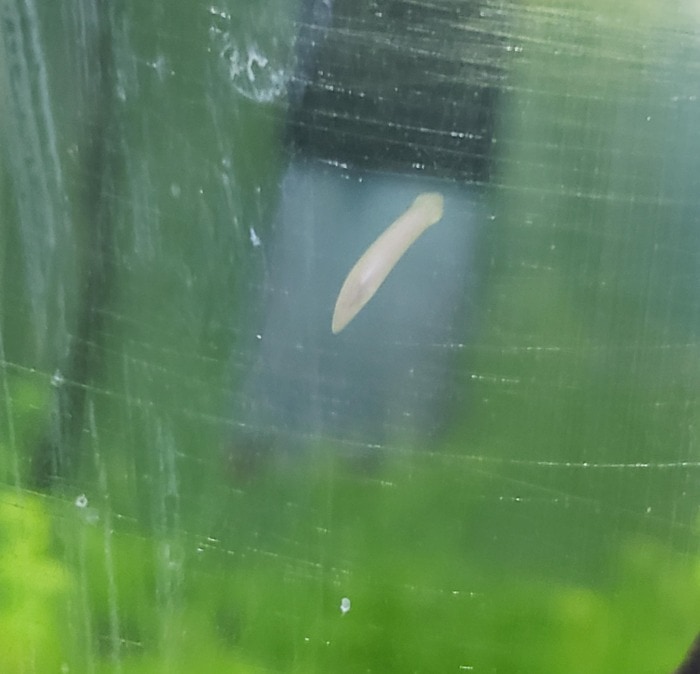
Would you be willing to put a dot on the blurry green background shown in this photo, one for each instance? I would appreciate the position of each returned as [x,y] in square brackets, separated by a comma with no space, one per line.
[554,529]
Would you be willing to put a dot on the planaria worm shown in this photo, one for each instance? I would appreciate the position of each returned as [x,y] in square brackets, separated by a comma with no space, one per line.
[379,259]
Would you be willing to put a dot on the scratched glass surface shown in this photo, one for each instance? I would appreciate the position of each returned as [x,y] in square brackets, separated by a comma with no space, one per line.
[492,467]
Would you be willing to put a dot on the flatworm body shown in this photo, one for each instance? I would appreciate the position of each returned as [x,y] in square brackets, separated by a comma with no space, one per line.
[379,259]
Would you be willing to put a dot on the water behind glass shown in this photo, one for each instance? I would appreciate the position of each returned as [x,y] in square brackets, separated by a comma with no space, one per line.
[387,375]
[533,502]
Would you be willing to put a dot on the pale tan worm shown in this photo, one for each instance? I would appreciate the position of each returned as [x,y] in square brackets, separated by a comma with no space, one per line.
[379,259]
